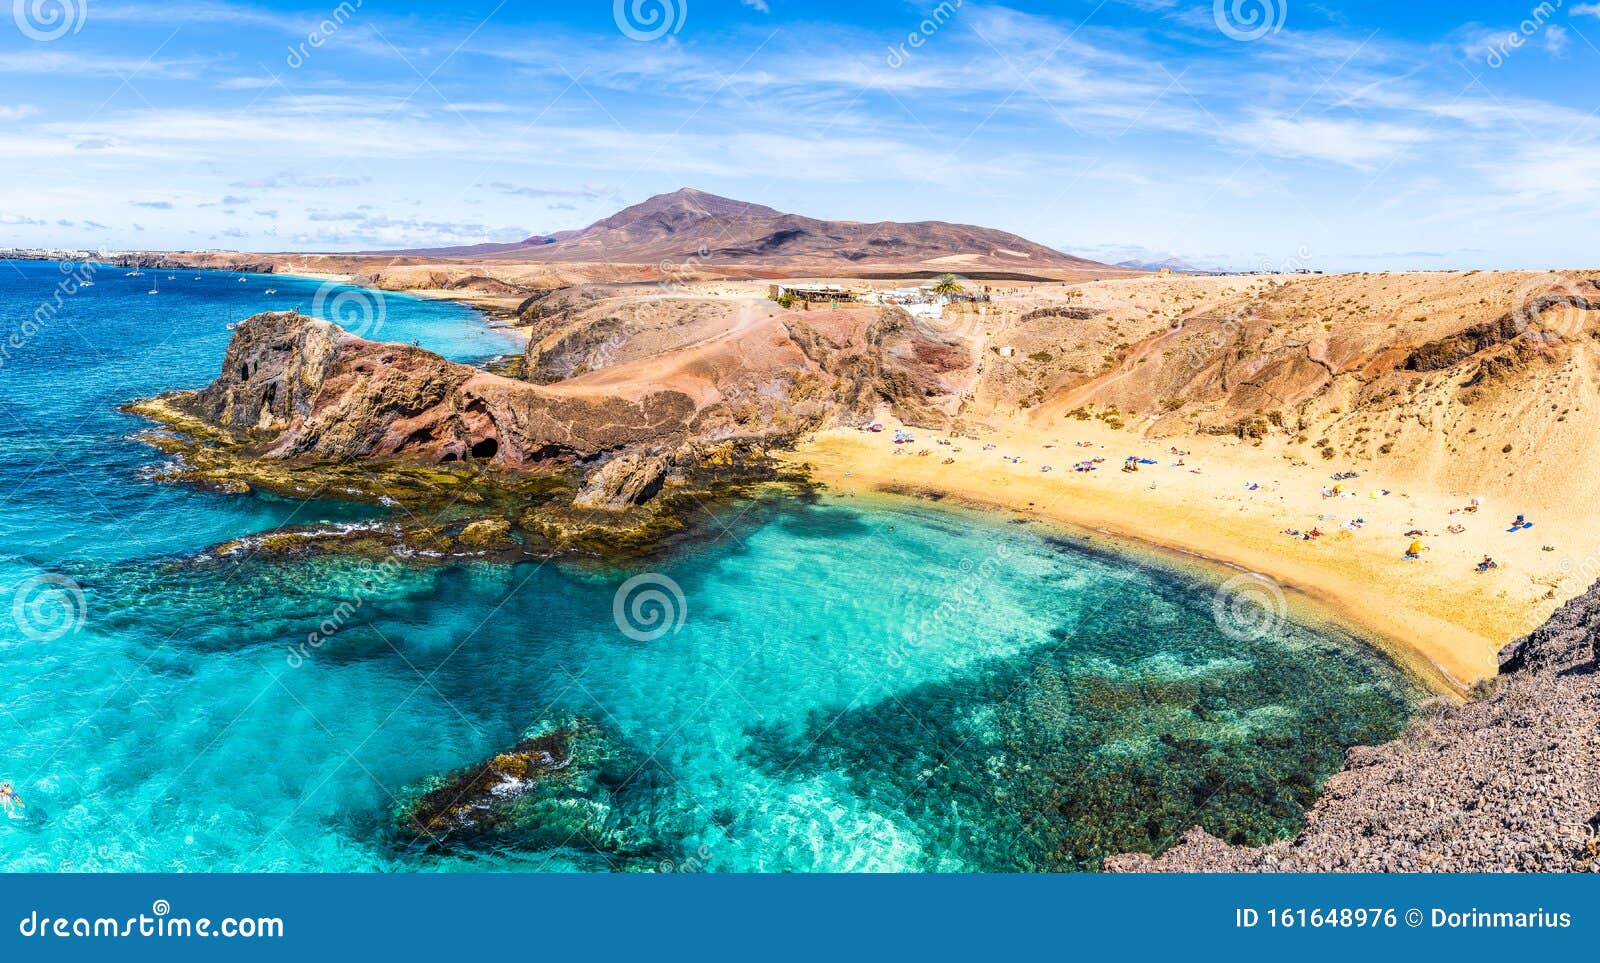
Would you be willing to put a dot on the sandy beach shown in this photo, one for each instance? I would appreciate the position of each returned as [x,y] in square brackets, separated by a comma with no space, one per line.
[1236,504]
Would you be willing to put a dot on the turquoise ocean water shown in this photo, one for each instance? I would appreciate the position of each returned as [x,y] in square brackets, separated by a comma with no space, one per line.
[849,685]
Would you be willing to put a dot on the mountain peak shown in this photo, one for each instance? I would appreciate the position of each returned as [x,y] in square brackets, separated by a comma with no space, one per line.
[689,224]
[700,202]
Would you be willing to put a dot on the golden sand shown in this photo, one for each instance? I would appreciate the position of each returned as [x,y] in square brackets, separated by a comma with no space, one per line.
[1436,614]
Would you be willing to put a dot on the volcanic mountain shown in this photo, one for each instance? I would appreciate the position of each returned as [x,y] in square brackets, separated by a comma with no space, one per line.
[693,227]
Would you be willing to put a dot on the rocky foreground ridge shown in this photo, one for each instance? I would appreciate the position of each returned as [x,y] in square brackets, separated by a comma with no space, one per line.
[1507,783]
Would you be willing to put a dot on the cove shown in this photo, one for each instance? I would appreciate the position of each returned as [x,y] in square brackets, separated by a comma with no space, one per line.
[843,685]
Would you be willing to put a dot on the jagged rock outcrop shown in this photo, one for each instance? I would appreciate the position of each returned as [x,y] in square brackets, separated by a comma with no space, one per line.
[1510,782]
[303,406]
[305,387]
[299,386]
[626,480]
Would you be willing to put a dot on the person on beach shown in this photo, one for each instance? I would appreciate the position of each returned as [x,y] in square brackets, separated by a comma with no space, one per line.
[10,801]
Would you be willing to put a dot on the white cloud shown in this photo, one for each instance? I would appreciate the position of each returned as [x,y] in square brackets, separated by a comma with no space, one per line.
[55,62]
[1353,143]
[1546,171]
[1555,40]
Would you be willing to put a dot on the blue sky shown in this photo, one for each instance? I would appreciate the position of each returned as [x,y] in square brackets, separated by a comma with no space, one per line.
[1244,133]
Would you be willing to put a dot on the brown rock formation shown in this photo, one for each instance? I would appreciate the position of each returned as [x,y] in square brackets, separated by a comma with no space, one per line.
[306,387]
[680,376]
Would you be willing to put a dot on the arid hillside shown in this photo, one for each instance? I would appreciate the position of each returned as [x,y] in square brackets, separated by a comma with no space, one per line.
[1470,380]
[693,226]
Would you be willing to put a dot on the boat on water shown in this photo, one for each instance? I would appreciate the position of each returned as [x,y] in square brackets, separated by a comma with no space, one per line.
[155,288]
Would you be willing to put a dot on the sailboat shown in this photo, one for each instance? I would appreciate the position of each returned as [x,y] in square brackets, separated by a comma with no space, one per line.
[155,288]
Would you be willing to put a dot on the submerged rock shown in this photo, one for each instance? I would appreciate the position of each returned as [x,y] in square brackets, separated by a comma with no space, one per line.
[567,783]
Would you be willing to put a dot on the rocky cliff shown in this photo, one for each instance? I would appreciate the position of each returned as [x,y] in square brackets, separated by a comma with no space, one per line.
[662,395]
[299,386]
[1510,782]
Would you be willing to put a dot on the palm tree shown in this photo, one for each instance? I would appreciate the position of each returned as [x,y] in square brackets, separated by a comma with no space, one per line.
[948,284]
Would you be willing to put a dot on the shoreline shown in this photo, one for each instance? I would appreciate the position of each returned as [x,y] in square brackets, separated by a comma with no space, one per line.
[1304,605]
[1446,637]
[1441,623]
